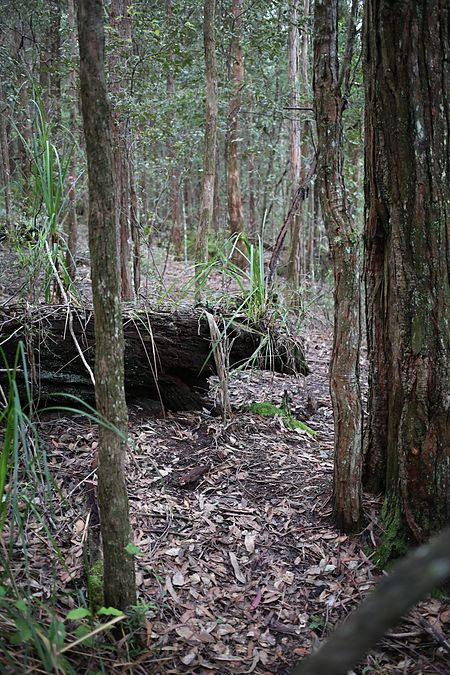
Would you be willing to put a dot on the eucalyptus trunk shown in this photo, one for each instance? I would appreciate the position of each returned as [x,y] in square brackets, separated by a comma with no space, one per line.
[343,242]
[174,169]
[118,74]
[294,143]
[72,226]
[209,152]
[407,263]
[235,206]
[119,576]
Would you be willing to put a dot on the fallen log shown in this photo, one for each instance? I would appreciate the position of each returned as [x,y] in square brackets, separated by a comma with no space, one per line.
[168,354]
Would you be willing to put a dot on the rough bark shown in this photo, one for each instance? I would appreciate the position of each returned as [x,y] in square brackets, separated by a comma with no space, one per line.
[344,366]
[414,577]
[119,576]
[235,205]
[209,152]
[173,348]
[118,74]
[407,261]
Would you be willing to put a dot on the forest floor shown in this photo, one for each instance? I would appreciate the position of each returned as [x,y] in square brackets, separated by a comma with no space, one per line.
[242,569]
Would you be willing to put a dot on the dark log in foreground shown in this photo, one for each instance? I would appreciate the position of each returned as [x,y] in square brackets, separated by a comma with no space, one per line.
[168,354]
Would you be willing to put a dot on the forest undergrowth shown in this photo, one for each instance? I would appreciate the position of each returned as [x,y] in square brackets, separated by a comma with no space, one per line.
[239,566]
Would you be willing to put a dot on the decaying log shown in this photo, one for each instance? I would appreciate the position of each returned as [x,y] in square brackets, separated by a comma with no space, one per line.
[168,354]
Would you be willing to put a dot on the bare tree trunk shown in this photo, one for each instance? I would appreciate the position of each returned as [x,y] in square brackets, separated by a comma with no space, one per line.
[175,173]
[72,226]
[407,265]
[6,164]
[21,47]
[121,25]
[50,78]
[209,152]
[252,217]
[216,206]
[235,206]
[344,367]
[306,237]
[135,234]
[294,144]
[119,577]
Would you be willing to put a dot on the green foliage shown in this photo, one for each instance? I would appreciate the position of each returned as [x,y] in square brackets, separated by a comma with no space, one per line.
[269,410]
[23,462]
[95,586]
[42,247]
[256,297]
[47,636]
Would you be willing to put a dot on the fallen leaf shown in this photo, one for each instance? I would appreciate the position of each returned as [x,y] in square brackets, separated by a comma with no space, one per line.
[178,579]
[237,571]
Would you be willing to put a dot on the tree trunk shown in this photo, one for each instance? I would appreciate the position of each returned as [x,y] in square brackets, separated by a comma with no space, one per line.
[407,265]
[235,206]
[22,49]
[294,145]
[119,576]
[72,226]
[118,73]
[209,152]
[344,367]
[252,180]
[174,169]
[306,226]
[50,78]
[6,164]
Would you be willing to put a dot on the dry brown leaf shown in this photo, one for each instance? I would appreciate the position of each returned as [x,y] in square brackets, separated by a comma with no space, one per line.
[237,571]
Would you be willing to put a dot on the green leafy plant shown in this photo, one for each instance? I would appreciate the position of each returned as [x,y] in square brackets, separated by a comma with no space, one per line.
[266,409]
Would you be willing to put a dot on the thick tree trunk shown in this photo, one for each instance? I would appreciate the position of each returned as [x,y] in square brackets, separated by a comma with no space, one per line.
[167,354]
[344,367]
[119,577]
[235,206]
[407,263]
[209,152]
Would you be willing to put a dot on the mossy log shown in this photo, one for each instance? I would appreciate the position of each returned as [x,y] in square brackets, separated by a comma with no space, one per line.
[168,354]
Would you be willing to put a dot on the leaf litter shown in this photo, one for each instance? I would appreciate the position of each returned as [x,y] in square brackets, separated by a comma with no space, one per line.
[240,562]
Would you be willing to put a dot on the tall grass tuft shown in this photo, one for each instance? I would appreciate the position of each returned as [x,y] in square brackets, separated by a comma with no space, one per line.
[46,250]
